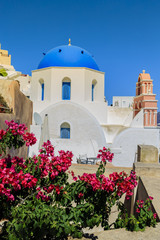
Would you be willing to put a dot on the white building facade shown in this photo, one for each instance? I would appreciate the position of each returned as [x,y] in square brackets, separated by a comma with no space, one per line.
[123,101]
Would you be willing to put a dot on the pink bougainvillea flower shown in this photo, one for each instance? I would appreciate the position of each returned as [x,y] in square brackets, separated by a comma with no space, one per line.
[155,215]
[137,210]
[151,198]
[80,195]
[105,155]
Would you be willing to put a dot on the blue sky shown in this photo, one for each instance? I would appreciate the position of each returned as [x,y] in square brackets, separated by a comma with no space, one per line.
[123,36]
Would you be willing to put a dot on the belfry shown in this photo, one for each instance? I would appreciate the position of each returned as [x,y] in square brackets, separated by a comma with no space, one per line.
[145,99]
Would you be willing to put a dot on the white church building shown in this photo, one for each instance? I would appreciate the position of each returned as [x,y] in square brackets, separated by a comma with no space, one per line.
[67,90]
[69,107]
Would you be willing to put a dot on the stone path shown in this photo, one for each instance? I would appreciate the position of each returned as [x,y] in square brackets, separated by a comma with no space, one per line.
[79,169]
[122,234]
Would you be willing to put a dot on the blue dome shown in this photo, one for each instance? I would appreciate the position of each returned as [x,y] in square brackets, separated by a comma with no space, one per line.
[68,56]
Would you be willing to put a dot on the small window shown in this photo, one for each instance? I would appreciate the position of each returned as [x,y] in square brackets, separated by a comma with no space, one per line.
[66,90]
[41,87]
[42,96]
[116,104]
[94,87]
[65,130]
[92,92]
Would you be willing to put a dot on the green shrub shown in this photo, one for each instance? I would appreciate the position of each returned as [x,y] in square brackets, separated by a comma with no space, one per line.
[3,72]
[145,217]
[40,203]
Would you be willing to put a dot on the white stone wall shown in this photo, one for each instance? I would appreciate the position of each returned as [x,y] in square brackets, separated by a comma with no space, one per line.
[25,84]
[125,144]
[123,102]
[81,89]
[118,119]
[86,135]
[138,121]
[119,116]
[81,83]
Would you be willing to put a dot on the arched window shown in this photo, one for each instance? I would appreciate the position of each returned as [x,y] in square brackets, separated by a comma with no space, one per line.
[42,86]
[65,130]
[41,81]
[94,82]
[66,89]
[92,92]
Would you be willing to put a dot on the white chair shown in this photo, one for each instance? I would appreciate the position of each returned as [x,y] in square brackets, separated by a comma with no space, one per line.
[83,159]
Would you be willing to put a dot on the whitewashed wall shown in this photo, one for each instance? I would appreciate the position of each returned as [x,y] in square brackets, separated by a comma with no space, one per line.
[122,101]
[81,89]
[125,144]
[86,135]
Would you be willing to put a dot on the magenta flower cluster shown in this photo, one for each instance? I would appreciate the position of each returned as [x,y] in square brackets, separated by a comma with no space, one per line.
[105,155]
[116,181]
[19,130]
[141,205]
[13,177]
[12,180]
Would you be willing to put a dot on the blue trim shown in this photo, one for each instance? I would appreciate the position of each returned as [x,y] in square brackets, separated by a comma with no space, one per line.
[42,86]
[65,132]
[92,92]
[66,91]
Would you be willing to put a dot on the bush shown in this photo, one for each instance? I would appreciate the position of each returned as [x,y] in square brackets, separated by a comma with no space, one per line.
[3,72]
[145,217]
[38,201]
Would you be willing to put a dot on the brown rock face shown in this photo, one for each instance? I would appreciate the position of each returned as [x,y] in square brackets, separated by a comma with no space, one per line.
[21,105]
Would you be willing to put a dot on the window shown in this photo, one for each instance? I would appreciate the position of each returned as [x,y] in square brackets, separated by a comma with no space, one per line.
[94,83]
[42,95]
[116,104]
[66,90]
[92,92]
[41,90]
[65,130]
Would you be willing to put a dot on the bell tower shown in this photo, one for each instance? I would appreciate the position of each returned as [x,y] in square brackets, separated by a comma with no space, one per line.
[145,99]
